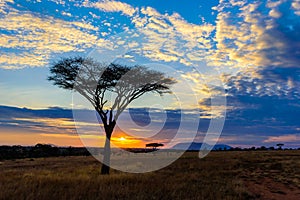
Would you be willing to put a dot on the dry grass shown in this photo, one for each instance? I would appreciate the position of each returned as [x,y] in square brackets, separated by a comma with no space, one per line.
[221,175]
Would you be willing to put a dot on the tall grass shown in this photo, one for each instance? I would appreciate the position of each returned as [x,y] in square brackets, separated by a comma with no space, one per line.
[221,175]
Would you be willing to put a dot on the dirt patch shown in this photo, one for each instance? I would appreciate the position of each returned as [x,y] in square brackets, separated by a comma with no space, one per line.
[268,189]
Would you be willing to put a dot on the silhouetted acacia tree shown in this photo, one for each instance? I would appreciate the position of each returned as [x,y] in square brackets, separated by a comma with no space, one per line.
[154,145]
[280,146]
[95,81]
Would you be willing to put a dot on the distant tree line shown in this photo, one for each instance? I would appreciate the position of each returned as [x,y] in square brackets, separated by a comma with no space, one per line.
[262,148]
[40,150]
[46,150]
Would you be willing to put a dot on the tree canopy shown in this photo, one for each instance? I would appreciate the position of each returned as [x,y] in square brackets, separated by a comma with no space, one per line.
[94,80]
[154,145]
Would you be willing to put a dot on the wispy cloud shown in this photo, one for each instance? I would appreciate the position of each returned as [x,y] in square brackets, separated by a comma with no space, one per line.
[112,6]
[283,138]
[247,126]
[296,7]
[241,40]
[30,39]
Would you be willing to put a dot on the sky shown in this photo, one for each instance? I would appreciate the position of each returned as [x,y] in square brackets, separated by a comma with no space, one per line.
[236,62]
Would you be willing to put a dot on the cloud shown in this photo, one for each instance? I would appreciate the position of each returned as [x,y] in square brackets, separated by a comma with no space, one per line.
[296,7]
[59,2]
[112,6]
[261,109]
[162,37]
[237,2]
[4,6]
[269,98]
[66,14]
[248,39]
[247,123]
[34,38]
[259,53]
[243,40]
[172,38]
[283,138]
[58,121]
[46,125]
[282,82]
[9,112]
[20,60]
[275,13]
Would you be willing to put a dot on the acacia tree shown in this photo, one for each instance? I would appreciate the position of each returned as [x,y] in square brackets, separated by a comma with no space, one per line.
[95,81]
[154,145]
[280,146]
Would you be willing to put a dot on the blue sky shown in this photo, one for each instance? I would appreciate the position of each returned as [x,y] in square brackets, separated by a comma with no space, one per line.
[248,51]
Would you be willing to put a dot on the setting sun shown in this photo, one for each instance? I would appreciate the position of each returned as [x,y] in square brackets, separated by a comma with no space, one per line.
[125,141]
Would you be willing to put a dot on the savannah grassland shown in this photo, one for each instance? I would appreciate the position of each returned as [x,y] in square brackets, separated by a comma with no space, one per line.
[220,175]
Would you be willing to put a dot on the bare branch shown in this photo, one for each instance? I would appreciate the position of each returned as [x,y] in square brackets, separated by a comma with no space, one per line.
[94,80]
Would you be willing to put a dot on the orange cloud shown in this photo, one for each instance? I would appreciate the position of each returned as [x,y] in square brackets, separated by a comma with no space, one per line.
[26,138]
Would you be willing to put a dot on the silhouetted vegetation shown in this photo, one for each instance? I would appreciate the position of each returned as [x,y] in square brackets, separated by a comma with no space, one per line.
[262,148]
[40,150]
[154,145]
[46,150]
[94,81]
[280,145]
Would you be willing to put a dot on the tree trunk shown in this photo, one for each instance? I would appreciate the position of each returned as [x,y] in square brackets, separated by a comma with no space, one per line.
[106,159]
[107,150]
